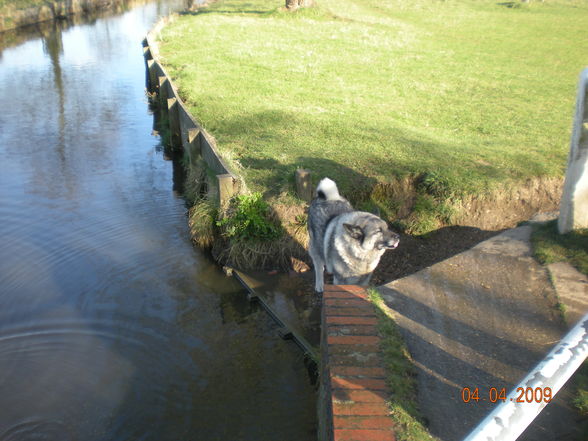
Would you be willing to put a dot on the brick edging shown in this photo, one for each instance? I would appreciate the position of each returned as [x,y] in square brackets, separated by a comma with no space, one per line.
[353,383]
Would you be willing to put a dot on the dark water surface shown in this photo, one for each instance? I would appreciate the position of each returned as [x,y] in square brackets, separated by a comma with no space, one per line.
[112,327]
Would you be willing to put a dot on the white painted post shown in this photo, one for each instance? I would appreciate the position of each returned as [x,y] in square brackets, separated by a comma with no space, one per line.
[511,418]
[573,211]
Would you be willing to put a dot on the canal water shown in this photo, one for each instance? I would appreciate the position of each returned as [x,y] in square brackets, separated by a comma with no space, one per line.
[112,326]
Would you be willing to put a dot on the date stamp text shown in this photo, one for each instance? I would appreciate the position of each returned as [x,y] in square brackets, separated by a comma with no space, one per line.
[523,395]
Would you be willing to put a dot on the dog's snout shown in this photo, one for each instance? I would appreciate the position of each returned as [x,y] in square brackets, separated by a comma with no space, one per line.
[392,241]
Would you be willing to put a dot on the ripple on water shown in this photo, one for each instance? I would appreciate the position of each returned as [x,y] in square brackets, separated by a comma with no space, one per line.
[31,429]
[83,372]
[112,327]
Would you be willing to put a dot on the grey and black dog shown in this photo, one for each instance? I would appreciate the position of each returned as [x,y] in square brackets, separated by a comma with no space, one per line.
[348,243]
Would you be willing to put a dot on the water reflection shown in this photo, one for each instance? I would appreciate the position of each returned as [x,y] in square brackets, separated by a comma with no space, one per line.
[111,325]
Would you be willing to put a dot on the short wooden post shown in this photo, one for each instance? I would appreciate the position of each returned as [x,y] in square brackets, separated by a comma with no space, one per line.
[226,188]
[162,81]
[174,122]
[573,211]
[193,144]
[192,135]
[303,185]
[152,77]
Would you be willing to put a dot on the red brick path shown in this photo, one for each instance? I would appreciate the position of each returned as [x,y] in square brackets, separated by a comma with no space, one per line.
[351,372]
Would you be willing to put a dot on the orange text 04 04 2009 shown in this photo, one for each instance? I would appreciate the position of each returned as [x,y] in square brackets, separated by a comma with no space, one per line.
[493,394]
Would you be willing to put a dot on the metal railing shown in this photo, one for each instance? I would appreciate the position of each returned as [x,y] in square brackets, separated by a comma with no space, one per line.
[517,411]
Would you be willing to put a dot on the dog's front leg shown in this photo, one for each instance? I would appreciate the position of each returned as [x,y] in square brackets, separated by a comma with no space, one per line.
[319,269]
[319,278]
[319,273]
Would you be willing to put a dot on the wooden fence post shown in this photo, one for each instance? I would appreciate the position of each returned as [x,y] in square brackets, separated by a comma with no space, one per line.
[162,80]
[174,122]
[303,185]
[226,188]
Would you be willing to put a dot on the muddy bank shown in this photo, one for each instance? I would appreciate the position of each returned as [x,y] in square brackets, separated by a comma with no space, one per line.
[477,219]
[12,17]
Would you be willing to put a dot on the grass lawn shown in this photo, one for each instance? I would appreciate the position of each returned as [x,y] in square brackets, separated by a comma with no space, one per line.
[475,93]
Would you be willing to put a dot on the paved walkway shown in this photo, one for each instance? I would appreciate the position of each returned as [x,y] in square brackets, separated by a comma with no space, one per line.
[482,319]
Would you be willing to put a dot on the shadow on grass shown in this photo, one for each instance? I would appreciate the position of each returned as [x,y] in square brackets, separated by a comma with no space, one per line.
[511,5]
[273,176]
[272,144]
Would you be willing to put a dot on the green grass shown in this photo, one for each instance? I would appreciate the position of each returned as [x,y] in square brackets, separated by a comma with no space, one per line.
[365,91]
[400,376]
[250,220]
[550,247]
[20,4]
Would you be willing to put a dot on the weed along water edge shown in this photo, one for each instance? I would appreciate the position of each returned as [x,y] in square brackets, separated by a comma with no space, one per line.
[112,326]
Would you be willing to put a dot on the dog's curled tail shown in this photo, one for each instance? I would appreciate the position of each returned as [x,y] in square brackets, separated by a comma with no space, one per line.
[327,189]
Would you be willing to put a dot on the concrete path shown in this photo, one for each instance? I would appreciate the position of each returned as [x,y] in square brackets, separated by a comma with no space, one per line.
[482,319]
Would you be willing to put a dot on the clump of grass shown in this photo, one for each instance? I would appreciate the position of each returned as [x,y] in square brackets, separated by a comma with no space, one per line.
[251,236]
[400,376]
[549,246]
[195,183]
[383,201]
[435,205]
[248,219]
[250,254]
[202,222]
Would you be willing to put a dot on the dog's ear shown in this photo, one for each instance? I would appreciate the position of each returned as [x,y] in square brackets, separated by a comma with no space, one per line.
[354,231]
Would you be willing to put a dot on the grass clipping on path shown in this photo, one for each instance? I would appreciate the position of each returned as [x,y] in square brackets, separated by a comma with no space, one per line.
[367,92]
[400,376]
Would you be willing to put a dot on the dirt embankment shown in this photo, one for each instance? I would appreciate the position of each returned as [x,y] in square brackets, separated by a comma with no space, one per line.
[12,17]
[478,218]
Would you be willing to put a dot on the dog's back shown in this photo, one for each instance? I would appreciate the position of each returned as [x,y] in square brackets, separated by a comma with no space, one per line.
[327,205]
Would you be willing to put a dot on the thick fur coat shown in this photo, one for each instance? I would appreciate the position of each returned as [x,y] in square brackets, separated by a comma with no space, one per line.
[345,242]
